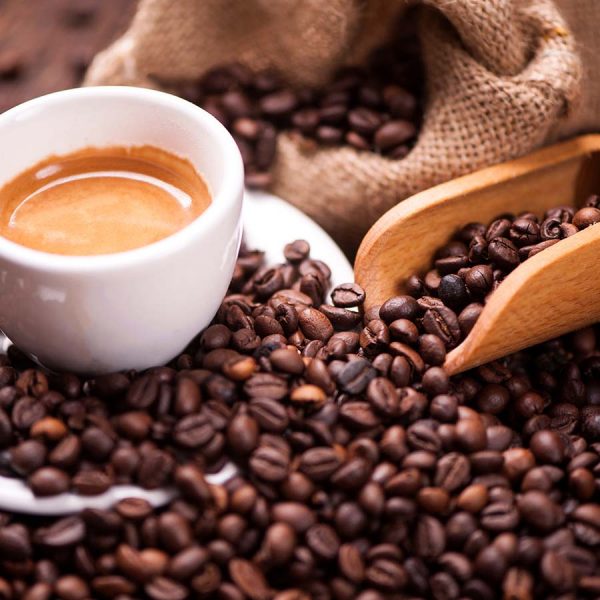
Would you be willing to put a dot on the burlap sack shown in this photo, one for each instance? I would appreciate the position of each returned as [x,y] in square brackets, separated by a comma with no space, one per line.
[503,77]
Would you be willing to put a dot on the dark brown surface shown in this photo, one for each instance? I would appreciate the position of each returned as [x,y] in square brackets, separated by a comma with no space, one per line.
[46,45]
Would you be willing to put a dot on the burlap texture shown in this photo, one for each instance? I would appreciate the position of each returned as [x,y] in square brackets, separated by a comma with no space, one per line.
[502,77]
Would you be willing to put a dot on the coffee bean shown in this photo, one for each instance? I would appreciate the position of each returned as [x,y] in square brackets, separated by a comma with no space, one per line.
[399,307]
[524,232]
[558,573]
[452,471]
[63,533]
[66,453]
[297,515]
[48,428]
[468,317]
[503,253]
[266,385]
[143,392]
[249,579]
[323,541]
[394,133]
[499,516]
[586,518]
[374,337]
[432,349]
[91,483]
[586,216]
[442,322]
[319,463]
[471,434]
[97,443]
[430,538]
[269,464]
[453,291]
[479,280]
[15,543]
[26,412]
[48,481]
[355,376]
[155,469]
[315,325]
[278,103]
[493,398]
[27,456]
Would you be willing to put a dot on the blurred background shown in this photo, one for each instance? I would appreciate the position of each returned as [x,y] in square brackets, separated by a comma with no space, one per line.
[46,45]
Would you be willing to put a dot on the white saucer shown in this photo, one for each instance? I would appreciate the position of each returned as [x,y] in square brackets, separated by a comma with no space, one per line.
[269,224]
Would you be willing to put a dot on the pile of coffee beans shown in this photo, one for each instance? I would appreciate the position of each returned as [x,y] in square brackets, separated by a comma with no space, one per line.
[374,108]
[476,260]
[364,471]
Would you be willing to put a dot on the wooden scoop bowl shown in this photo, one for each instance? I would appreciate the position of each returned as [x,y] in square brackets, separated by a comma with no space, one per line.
[552,293]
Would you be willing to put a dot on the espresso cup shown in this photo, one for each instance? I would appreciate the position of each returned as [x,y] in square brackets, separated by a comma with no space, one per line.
[133,309]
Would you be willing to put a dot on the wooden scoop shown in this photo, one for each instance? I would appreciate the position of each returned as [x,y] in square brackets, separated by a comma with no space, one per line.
[552,293]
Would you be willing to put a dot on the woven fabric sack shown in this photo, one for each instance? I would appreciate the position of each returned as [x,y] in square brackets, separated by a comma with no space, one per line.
[502,78]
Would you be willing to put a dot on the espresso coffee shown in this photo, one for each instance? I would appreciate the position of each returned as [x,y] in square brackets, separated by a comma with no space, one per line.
[101,200]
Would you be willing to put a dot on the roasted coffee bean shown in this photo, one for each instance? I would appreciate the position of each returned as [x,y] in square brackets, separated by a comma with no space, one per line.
[394,133]
[315,325]
[63,533]
[432,349]
[479,280]
[297,515]
[155,469]
[193,431]
[269,463]
[319,463]
[143,392]
[323,541]
[430,538]
[452,472]
[538,510]
[269,414]
[27,456]
[97,443]
[91,483]
[442,322]
[27,411]
[67,452]
[586,216]
[452,291]
[404,331]
[249,579]
[348,295]
[48,481]
[374,337]
[503,253]
[498,228]
[468,317]
[399,307]
[382,395]
[266,385]
[297,251]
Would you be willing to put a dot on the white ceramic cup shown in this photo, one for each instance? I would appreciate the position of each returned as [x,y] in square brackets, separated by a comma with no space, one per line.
[127,310]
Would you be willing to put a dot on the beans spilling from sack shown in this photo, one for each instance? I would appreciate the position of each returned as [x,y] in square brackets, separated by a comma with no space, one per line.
[364,471]
[374,108]
[478,258]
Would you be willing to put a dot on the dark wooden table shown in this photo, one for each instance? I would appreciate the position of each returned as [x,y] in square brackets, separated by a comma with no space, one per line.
[46,45]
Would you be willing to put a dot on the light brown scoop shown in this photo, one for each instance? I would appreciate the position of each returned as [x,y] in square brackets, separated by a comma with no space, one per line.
[552,293]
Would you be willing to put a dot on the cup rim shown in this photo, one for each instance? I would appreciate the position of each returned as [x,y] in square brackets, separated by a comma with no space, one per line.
[223,201]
